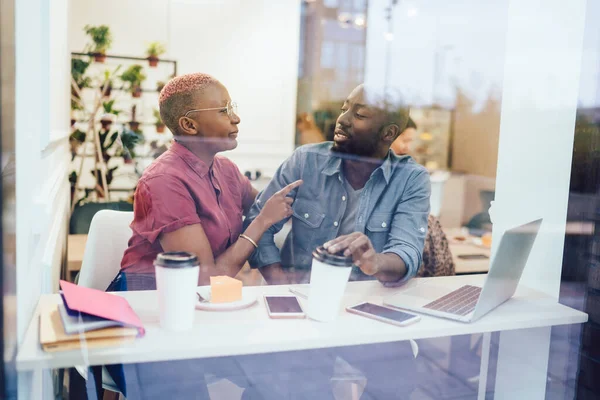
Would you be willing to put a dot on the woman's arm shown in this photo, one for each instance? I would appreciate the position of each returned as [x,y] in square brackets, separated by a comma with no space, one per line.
[192,238]
[248,202]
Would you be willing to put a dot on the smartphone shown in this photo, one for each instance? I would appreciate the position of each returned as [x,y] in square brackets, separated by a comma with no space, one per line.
[384,314]
[473,257]
[284,307]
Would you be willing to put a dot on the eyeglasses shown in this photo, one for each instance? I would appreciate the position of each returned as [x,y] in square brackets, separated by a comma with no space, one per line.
[231,109]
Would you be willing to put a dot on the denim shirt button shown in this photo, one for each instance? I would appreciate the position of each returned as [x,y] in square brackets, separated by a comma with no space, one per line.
[335,223]
[306,215]
[383,224]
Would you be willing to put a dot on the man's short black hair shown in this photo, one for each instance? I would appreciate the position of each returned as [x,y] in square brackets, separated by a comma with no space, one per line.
[410,124]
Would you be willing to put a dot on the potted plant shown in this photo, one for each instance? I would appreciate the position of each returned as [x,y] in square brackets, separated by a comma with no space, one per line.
[101,38]
[159,86]
[76,139]
[129,139]
[107,85]
[78,69]
[110,114]
[154,50]
[134,125]
[135,77]
[160,126]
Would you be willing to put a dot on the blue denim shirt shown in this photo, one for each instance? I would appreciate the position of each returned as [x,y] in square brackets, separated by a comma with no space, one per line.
[393,208]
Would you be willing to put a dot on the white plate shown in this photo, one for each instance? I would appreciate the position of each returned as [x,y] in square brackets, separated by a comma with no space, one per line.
[247,300]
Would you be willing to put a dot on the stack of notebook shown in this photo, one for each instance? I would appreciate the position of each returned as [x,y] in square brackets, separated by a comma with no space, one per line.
[87,318]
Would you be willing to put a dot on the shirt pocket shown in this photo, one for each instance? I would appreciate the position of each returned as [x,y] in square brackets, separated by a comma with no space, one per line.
[308,213]
[378,228]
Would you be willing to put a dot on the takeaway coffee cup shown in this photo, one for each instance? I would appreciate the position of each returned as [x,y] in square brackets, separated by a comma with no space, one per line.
[328,277]
[176,282]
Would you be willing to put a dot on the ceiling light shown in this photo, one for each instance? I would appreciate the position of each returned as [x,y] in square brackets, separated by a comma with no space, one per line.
[359,20]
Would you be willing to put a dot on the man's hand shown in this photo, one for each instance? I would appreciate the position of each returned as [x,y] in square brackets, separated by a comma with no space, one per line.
[359,246]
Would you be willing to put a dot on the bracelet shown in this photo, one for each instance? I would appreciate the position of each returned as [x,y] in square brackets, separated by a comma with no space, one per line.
[248,238]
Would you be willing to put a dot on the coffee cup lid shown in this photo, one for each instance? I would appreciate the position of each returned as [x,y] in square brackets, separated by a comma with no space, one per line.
[176,259]
[336,260]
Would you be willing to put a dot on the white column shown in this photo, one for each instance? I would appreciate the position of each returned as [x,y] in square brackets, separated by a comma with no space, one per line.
[539,102]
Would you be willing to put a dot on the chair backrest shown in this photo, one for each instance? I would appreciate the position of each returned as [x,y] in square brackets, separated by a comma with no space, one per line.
[106,243]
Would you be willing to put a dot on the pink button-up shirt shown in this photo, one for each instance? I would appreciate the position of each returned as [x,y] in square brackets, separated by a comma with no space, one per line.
[177,190]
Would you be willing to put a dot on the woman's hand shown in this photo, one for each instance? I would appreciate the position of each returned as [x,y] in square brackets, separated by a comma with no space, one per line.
[279,206]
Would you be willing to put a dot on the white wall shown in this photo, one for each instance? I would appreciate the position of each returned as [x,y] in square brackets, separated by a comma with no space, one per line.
[41,162]
[251,46]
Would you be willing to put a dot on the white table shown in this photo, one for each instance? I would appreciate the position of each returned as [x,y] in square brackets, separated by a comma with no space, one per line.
[250,331]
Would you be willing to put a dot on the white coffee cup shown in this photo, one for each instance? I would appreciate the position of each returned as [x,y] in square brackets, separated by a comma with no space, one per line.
[176,282]
[328,278]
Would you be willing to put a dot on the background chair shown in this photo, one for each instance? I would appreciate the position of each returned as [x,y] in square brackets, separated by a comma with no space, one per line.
[107,241]
[438,180]
[481,222]
[82,215]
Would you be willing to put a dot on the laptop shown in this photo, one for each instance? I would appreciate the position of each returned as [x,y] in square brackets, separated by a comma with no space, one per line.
[468,303]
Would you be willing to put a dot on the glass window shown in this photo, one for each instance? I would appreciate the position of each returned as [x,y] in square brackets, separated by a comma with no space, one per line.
[328,55]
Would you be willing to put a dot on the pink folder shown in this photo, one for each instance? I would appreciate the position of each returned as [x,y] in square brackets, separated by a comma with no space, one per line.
[100,304]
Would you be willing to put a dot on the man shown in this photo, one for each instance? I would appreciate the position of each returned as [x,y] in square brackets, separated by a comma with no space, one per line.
[361,199]
[358,198]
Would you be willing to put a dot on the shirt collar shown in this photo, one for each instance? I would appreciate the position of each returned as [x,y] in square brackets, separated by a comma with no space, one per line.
[334,165]
[197,165]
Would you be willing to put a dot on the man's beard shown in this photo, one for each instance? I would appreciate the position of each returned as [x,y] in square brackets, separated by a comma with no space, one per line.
[359,149]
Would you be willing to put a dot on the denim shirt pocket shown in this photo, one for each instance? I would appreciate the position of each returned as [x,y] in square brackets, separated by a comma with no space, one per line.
[308,213]
[378,227]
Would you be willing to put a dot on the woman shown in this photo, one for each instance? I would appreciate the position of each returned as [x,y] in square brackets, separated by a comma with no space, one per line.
[437,258]
[308,130]
[190,199]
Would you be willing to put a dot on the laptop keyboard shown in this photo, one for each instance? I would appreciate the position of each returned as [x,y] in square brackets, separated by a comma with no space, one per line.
[459,302]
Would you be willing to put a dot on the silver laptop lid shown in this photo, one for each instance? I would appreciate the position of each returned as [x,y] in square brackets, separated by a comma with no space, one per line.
[507,267]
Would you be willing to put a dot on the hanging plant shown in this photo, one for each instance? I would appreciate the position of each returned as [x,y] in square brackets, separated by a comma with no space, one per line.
[155,50]
[110,114]
[160,126]
[129,139]
[76,139]
[134,76]
[78,69]
[101,41]
[159,86]
[134,125]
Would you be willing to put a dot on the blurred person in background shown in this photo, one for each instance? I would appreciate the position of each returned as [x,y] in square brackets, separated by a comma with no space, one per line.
[401,145]
[308,130]
[437,258]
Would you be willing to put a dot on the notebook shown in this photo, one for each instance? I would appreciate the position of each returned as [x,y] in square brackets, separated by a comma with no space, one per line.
[53,337]
[82,322]
[96,303]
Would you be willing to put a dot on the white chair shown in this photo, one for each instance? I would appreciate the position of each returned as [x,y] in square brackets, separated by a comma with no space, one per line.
[438,180]
[106,243]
